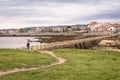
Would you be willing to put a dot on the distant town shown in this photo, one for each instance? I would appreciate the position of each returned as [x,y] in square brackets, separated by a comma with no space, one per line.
[93,27]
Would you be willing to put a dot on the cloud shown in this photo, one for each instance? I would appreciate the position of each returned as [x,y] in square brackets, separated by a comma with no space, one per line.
[56,12]
[112,14]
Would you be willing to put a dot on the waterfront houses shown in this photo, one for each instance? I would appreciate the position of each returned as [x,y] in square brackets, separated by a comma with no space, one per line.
[93,27]
[104,27]
[9,31]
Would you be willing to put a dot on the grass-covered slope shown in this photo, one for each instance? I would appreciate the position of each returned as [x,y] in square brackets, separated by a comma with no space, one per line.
[80,65]
[13,58]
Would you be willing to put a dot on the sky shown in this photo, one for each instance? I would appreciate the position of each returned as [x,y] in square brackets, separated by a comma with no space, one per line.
[30,13]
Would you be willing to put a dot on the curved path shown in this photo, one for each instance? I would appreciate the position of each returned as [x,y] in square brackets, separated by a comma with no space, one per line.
[60,61]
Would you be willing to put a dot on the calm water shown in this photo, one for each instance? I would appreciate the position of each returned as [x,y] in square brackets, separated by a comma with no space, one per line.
[15,42]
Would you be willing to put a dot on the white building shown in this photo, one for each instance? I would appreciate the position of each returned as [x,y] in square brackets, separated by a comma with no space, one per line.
[102,27]
[112,29]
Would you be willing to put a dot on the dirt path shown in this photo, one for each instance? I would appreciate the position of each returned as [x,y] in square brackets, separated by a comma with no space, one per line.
[60,61]
[114,49]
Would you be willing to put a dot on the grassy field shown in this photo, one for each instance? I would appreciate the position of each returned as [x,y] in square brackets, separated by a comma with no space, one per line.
[12,58]
[80,65]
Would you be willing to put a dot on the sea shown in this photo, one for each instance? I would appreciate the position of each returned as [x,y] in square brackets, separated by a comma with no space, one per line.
[16,42]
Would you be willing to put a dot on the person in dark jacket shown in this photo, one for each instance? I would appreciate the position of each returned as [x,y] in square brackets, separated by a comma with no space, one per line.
[28,45]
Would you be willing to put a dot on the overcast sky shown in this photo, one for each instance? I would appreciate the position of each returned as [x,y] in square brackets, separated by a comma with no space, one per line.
[24,13]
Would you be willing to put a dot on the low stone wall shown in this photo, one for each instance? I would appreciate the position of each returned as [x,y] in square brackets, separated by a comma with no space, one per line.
[79,43]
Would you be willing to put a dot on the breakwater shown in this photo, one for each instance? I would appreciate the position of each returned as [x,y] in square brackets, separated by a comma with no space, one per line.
[78,43]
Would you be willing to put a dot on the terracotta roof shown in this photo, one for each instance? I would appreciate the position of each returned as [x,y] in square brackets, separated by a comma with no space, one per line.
[116,25]
[93,23]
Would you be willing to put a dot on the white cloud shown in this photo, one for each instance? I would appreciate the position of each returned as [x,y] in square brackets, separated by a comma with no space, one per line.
[55,13]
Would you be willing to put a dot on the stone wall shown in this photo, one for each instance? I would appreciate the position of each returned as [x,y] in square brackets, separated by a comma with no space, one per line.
[79,43]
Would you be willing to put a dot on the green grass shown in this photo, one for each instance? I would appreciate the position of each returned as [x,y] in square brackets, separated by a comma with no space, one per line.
[13,58]
[80,65]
